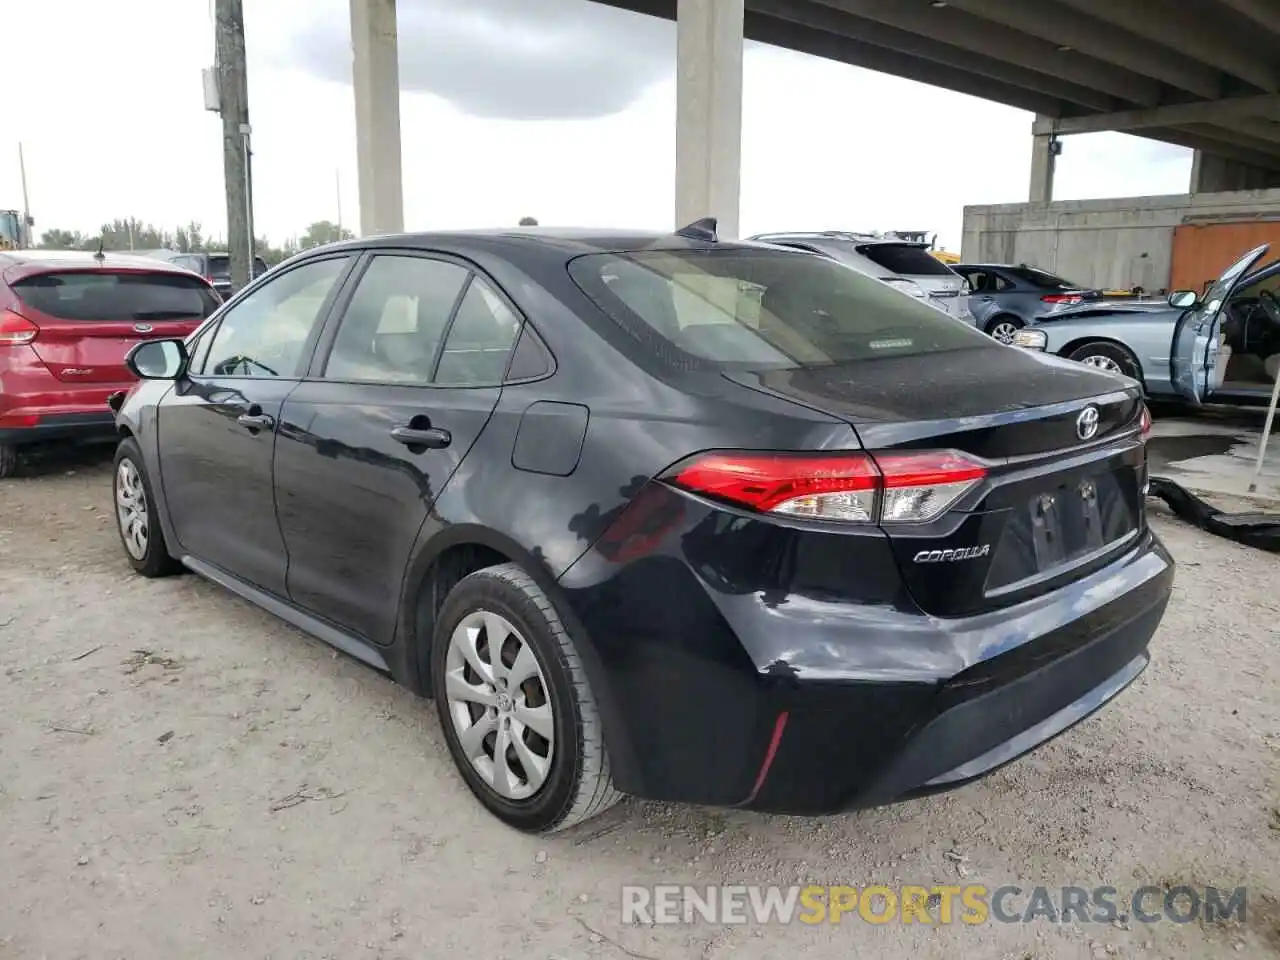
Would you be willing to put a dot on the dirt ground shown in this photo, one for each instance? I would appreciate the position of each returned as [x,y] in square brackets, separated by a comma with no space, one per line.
[182,776]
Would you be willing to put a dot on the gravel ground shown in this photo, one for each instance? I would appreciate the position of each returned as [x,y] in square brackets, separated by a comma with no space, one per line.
[181,775]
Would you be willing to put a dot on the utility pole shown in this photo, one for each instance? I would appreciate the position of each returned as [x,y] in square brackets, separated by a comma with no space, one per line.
[24,237]
[233,103]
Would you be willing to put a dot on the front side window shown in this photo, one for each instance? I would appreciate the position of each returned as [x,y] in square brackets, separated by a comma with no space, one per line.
[265,334]
[391,330]
[763,309]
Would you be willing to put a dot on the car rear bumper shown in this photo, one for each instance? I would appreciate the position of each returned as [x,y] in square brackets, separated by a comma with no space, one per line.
[760,691]
[33,428]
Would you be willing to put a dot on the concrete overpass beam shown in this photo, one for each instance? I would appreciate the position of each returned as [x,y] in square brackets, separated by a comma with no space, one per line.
[709,112]
[376,79]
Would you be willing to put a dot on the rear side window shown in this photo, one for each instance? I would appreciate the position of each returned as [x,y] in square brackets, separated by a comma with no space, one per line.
[392,328]
[903,258]
[745,308]
[101,295]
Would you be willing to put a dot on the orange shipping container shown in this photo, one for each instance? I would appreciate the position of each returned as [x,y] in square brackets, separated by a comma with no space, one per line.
[1201,251]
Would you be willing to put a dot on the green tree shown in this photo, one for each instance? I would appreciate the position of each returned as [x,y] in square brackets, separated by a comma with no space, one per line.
[528,221]
[58,239]
[323,231]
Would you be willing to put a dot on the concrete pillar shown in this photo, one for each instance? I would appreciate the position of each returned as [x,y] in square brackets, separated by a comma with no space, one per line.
[1211,173]
[1043,159]
[709,112]
[376,78]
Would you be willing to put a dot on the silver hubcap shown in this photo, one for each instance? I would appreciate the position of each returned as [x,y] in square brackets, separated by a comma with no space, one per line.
[500,704]
[131,509]
[1101,362]
[1004,332]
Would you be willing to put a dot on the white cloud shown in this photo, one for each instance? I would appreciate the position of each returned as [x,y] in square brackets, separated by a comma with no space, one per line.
[118,128]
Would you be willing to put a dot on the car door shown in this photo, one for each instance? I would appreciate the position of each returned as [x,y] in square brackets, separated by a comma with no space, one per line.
[1196,335]
[405,380]
[218,426]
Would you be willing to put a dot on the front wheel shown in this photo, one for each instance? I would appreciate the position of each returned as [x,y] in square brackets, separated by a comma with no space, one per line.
[136,518]
[1108,356]
[515,704]
[1004,327]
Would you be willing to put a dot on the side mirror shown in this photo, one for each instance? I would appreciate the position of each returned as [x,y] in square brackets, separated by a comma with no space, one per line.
[1182,299]
[158,360]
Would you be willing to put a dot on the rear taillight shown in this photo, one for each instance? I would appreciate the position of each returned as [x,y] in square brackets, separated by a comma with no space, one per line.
[15,329]
[1065,299]
[1146,424]
[850,487]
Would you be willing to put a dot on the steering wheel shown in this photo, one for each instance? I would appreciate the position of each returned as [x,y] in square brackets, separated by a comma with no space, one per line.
[1270,305]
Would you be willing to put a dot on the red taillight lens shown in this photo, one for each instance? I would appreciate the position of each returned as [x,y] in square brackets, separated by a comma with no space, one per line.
[852,488]
[1146,424]
[1062,298]
[15,329]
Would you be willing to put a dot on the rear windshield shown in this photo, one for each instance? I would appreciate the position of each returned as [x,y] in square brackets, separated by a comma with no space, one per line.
[903,258]
[1045,281]
[103,295]
[754,308]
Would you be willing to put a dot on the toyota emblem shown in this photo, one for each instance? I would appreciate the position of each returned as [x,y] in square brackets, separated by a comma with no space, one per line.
[1087,423]
[143,327]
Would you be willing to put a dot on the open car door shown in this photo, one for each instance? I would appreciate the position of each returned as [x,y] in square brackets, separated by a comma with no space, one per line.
[1193,359]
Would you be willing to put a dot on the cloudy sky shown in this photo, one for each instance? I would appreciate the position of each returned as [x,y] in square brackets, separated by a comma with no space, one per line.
[559,109]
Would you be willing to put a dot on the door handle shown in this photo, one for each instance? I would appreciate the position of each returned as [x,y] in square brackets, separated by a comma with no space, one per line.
[256,421]
[432,438]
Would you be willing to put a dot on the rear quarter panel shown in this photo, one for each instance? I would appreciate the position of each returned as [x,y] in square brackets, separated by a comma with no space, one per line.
[1147,336]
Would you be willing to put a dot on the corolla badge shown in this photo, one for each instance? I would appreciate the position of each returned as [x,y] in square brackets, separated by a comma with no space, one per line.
[950,556]
[143,327]
[1087,423]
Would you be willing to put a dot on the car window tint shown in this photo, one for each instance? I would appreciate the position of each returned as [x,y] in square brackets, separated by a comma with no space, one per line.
[481,339]
[1002,283]
[391,330]
[265,333]
[107,296]
[748,308]
[906,259]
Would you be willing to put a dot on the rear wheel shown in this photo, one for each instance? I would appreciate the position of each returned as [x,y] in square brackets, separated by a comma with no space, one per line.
[8,460]
[515,704]
[1108,356]
[1004,327]
[136,518]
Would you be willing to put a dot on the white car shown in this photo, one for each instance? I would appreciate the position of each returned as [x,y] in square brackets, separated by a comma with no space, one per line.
[905,264]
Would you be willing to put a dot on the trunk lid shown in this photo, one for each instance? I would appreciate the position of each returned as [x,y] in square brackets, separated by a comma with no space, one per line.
[1063,449]
[89,320]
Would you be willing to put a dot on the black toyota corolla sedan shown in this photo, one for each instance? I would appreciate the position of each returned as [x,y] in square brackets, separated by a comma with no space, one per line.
[657,515]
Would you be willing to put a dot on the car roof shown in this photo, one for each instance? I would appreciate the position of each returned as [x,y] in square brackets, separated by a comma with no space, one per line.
[16,264]
[849,236]
[567,241]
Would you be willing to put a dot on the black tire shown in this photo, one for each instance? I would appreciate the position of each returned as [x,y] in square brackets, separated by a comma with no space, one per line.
[578,784]
[8,460]
[155,560]
[1001,321]
[1108,356]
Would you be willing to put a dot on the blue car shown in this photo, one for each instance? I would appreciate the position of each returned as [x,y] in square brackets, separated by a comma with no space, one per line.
[1004,298]
[1222,347]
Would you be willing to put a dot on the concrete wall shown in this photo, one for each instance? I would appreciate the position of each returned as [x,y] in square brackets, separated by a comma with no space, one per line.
[1114,244]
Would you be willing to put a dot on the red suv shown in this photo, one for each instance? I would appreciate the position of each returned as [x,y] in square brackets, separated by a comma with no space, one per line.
[67,319]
